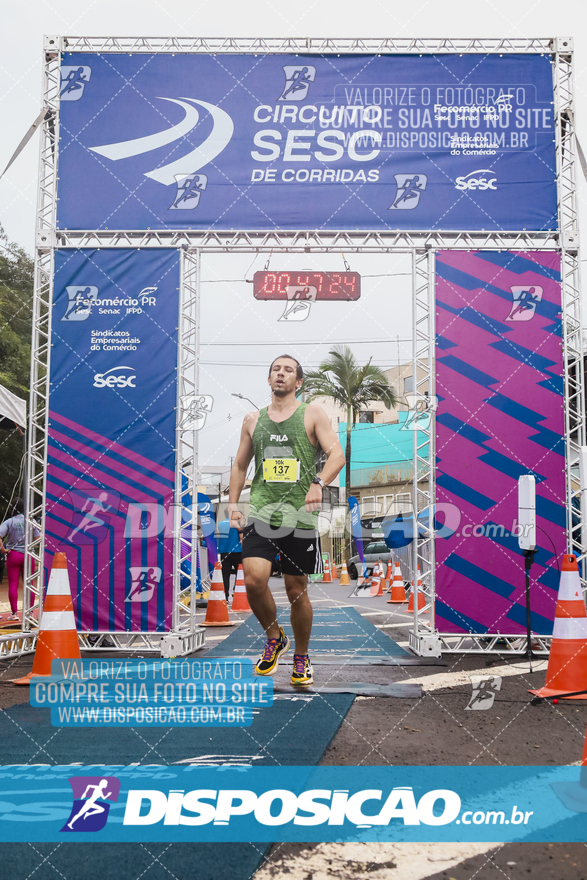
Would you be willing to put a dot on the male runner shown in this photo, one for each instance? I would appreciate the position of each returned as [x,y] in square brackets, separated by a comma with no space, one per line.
[285,499]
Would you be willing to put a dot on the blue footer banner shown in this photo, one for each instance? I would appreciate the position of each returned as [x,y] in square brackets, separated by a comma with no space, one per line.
[157,803]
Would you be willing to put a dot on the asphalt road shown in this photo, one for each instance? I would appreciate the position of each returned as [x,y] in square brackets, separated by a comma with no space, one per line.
[436,729]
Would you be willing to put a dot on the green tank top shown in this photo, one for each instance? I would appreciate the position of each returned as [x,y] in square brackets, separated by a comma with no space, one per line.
[285,465]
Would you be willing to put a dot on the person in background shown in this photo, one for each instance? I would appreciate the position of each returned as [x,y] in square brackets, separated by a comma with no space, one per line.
[12,546]
[230,549]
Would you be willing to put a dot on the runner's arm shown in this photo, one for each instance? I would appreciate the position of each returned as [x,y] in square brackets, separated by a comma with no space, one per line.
[330,444]
[238,474]
[334,456]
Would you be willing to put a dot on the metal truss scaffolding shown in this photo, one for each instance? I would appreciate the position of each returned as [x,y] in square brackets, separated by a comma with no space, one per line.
[423,637]
[185,635]
[571,293]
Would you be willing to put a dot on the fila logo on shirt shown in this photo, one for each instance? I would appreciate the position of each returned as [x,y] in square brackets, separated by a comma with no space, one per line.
[278,437]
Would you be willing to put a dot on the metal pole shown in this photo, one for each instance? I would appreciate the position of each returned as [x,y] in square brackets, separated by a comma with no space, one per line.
[432,437]
[196,446]
[415,535]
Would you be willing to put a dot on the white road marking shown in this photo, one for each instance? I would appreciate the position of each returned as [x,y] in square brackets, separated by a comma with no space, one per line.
[413,861]
[463,677]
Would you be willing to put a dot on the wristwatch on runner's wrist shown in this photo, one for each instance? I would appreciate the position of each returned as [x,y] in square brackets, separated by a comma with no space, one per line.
[319,481]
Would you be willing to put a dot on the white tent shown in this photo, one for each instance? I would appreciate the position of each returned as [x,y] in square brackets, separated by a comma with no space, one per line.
[12,408]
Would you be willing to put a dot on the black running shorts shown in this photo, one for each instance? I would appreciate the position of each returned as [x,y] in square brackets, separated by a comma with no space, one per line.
[299,555]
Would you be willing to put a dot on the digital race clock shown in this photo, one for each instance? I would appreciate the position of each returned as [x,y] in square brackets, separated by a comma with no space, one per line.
[307,285]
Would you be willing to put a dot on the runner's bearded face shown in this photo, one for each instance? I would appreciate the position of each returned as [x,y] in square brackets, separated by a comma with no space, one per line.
[283,377]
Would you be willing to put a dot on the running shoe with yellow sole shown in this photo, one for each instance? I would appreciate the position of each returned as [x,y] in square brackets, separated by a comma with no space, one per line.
[269,661]
[302,670]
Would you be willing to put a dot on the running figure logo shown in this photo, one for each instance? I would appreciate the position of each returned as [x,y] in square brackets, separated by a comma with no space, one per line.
[73,82]
[419,408]
[485,687]
[79,302]
[89,523]
[297,82]
[194,411]
[90,802]
[189,189]
[525,300]
[409,189]
[144,579]
[299,302]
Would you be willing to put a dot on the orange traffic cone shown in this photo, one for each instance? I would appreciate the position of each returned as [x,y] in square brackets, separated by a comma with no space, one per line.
[388,577]
[217,609]
[567,663]
[344,575]
[334,572]
[239,597]
[377,581]
[326,577]
[57,638]
[421,599]
[398,591]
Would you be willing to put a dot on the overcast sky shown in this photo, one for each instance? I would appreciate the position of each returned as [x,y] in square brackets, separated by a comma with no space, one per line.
[229,313]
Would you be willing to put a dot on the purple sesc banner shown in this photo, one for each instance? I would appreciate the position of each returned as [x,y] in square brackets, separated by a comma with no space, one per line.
[111,455]
[500,415]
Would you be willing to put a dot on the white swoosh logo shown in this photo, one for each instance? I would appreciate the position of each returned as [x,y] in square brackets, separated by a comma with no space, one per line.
[126,149]
[191,162]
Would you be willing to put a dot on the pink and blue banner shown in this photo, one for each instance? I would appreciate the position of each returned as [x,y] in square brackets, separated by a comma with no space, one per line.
[112,416]
[500,414]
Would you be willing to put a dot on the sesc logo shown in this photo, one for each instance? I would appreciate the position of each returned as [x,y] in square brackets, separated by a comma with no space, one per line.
[103,380]
[486,181]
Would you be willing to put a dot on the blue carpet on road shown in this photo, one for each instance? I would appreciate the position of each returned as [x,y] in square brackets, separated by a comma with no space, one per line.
[335,632]
[295,730]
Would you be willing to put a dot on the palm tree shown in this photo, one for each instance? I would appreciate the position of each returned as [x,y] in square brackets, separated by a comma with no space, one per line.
[351,386]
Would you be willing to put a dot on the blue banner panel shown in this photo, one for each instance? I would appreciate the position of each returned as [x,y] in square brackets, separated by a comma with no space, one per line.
[151,693]
[111,456]
[365,142]
[99,804]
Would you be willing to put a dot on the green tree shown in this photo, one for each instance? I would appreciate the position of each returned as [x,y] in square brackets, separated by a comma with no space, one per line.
[351,386]
[16,300]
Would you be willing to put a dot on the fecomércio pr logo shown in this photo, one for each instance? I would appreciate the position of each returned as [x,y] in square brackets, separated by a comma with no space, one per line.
[91,796]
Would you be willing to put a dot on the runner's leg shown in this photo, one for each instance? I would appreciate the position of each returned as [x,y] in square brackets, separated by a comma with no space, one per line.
[301,610]
[257,572]
[14,566]
[226,566]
